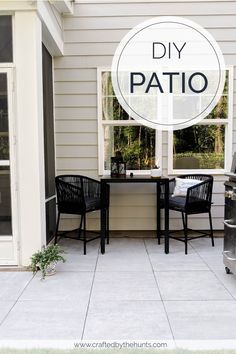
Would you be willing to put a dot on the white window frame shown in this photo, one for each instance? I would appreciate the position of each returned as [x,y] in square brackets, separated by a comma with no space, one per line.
[13,238]
[9,69]
[102,123]
[227,122]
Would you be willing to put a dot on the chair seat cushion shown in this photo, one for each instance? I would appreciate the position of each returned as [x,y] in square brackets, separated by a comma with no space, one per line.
[195,205]
[73,207]
[70,207]
[177,203]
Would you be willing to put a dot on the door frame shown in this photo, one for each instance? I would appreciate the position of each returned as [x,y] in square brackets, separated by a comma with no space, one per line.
[12,239]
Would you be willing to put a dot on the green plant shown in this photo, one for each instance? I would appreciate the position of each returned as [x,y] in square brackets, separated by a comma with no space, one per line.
[42,259]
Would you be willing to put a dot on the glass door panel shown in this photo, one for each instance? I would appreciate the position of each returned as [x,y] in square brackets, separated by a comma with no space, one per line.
[5,179]
[49,152]
[5,201]
[4,130]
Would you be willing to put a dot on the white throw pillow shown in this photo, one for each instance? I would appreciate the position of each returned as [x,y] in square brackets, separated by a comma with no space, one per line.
[182,185]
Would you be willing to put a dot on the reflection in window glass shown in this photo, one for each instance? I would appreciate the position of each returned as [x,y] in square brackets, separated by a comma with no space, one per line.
[203,146]
[136,144]
[4,140]
[226,88]
[107,89]
[6,52]
[199,147]
[221,109]
[112,110]
[5,201]
[193,103]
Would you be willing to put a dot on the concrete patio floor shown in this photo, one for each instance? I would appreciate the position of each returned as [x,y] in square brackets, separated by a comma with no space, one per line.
[133,292]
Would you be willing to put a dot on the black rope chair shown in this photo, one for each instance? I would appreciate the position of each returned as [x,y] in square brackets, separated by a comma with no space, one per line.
[197,201]
[79,195]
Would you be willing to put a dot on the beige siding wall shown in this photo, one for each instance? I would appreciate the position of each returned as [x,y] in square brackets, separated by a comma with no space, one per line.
[91,37]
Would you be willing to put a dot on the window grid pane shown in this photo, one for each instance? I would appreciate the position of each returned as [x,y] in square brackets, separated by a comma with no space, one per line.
[203,146]
[6,51]
[136,144]
[199,147]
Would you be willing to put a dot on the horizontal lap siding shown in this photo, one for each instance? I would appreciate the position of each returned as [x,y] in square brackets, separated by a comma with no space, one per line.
[148,212]
[151,9]
[118,22]
[114,36]
[91,37]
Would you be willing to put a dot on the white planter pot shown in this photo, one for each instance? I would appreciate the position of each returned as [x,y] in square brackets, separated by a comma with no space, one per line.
[51,269]
[156,172]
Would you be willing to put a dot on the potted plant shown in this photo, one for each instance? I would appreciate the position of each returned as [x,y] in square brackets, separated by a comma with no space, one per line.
[47,259]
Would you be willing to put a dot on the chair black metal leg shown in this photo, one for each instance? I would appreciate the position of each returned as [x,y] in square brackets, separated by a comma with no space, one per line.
[57,226]
[183,219]
[160,227]
[84,231]
[80,226]
[186,233]
[107,227]
[103,229]
[159,232]
[158,211]
[211,230]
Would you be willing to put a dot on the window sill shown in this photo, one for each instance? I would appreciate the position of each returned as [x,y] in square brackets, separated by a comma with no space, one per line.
[209,172]
[135,172]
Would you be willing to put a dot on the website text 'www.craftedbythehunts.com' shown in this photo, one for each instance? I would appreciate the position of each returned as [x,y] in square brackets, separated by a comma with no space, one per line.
[121,345]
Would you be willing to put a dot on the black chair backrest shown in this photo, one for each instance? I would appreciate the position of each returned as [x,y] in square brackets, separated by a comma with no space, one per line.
[70,197]
[204,190]
[74,190]
[91,187]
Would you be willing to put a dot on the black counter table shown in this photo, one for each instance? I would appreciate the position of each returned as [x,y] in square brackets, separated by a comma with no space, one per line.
[139,179]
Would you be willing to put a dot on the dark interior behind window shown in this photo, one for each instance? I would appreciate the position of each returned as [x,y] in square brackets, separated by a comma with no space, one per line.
[49,152]
[6,51]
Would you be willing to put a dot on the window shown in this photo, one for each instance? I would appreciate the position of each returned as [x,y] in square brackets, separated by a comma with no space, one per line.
[207,145]
[6,52]
[49,153]
[140,146]
[202,147]
[5,181]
